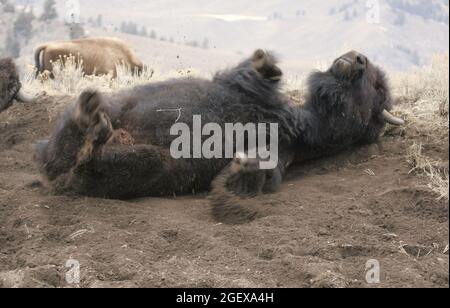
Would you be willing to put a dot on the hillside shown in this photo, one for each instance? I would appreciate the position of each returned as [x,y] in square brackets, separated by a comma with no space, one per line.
[305,33]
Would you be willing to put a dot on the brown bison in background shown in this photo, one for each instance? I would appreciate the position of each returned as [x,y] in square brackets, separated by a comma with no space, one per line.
[100,55]
[10,86]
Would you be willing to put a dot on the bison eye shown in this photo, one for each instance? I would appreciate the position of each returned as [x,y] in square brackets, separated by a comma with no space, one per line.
[360,60]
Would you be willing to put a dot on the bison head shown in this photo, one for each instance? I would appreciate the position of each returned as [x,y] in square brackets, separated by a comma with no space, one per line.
[348,104]
[10,86]
[356,70]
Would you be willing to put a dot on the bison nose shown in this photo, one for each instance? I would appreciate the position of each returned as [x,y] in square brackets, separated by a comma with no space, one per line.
[360,60]
[344,61]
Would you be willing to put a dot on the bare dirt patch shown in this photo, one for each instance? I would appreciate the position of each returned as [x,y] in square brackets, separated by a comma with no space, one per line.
[329,219]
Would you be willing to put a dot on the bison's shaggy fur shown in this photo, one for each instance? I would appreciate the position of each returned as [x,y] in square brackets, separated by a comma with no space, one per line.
[84,154]
[118,146]
[344,107]
[9,83]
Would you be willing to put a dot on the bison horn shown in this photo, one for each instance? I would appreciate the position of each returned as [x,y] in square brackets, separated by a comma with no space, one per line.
[24,98]
[391,119]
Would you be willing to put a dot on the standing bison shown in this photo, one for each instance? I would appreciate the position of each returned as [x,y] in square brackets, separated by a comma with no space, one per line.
[100,55]
[10,85]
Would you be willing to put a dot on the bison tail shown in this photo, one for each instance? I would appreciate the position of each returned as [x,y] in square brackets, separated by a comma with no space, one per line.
[37,60]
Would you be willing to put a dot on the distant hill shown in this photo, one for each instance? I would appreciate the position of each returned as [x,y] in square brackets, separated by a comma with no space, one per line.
[304,33]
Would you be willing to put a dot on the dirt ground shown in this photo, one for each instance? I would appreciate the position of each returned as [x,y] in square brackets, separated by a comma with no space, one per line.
[330,217]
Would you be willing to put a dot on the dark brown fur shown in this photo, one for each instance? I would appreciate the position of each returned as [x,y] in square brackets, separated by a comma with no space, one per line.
[118,146]
[80,157]
[9,83]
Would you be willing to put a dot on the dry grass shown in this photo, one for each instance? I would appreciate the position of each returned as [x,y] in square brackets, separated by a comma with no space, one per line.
[70,80]
[436,173]
[423,98]
[424,95]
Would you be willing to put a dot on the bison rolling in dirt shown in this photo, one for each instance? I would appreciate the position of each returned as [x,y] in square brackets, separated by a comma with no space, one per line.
[99,55]
[10,85]
[118,146]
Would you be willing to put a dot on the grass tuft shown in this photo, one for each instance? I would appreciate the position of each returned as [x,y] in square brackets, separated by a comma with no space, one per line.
[435,171]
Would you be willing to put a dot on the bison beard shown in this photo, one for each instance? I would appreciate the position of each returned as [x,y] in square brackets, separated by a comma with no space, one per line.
[10,86]
[85,154]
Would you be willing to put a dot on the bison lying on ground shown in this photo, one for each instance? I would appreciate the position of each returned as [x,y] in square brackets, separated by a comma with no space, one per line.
[10,86]
[100,55]
[347,105]
[118,146]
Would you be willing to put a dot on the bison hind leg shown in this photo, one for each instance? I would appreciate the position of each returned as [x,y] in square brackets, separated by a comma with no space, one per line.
[87,108]
[265,64]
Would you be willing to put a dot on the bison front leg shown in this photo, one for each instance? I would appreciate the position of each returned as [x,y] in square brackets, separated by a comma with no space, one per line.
[233,189]
[244,177]
[67,158]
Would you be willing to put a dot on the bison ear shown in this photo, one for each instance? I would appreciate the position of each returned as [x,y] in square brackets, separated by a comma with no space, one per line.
[265,64]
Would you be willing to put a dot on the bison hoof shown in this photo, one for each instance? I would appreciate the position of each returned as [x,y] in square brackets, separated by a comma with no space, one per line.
[245,178]
[97,134]
[100,129]
[90,118]
[265,64]
[94,123]
[87,108]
